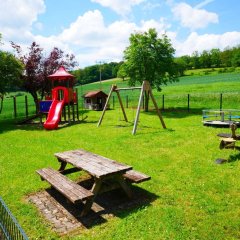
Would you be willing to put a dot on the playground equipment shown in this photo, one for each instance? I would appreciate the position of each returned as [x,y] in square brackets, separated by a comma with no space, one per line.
[228,141]
[145,88]
[62,96]
[56,107]
[221,118]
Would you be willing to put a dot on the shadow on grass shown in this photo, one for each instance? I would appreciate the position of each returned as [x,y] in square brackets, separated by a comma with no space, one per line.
[11,125]
[110,204]
[234,158]
[176,112]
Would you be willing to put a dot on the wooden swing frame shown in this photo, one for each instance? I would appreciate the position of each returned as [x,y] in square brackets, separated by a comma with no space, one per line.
[144,88]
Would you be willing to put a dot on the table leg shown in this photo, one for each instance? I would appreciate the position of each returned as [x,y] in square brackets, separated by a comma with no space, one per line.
[63,165]
[95,189]
[124,186]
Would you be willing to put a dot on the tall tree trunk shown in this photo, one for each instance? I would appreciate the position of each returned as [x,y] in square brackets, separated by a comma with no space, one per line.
[35,98]
[146,94]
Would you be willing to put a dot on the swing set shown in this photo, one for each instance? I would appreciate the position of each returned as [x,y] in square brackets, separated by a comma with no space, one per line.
[145,88]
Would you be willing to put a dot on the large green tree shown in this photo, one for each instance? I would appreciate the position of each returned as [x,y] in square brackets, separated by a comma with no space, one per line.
[10,73]
[150,58]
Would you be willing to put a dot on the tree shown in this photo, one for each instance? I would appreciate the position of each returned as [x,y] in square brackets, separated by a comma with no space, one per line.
[122,73]
[37,68]
[150,58]
[10,73]
[205,59]
[215,57]
[181,65]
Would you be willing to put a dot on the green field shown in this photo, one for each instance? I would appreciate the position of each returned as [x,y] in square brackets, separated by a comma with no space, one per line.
[204,93]
[188,197]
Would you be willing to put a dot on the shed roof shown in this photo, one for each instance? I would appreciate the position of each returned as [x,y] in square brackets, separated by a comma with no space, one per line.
[95,94]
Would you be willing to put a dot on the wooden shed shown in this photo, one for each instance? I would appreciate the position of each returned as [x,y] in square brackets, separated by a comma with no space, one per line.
[95,100]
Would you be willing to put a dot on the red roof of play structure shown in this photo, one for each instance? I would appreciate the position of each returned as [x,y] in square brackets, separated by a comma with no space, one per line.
[61,74]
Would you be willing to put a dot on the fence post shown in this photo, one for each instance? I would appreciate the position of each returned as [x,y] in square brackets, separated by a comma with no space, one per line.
[221,98]
[15,106]
[163,102]
[26,105]
[76,92]
[188,102]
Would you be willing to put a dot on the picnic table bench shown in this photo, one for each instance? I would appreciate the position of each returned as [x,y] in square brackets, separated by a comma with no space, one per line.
[106,173]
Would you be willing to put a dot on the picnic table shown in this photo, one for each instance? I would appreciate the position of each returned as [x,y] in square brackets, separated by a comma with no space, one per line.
[107,175]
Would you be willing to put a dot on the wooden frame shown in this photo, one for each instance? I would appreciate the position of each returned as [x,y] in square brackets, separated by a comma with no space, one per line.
[144,88]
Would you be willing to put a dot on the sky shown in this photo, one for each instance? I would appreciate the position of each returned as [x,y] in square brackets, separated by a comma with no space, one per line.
[99,30]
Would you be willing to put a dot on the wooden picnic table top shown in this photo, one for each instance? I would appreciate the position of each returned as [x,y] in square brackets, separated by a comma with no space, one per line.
[96,165]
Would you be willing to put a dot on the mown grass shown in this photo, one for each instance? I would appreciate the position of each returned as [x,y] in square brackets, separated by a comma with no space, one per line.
[194,198]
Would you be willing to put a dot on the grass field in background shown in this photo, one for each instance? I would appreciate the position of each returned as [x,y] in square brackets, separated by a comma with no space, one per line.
[204,94]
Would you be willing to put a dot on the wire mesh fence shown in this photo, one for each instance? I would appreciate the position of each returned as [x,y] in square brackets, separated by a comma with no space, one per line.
[9,227]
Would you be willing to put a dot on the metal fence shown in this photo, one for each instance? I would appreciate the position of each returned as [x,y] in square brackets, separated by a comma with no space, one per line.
[9,227]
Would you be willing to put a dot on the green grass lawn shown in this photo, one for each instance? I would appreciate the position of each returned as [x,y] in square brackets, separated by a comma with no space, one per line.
[194,198]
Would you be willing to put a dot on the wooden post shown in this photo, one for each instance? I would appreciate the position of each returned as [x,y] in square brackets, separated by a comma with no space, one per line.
[188,107]
[69,114]
[106,104]
[121,105]
[73,111]
[64,113]
[76,91]
[143,102]
[26,106]
[15,107]
[221,100]
[163,102]
[156,107]
[138,111]
[113,102]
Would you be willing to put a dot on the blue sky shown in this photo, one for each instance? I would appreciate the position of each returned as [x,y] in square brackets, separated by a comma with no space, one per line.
[98,30]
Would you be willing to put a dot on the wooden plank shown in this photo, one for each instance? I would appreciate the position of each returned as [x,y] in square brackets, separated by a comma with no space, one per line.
[103,160]
[94,164]
[121,104]
[138,111]
[68,188]
[106,104]
[135,176]
[157,109]
[129,88]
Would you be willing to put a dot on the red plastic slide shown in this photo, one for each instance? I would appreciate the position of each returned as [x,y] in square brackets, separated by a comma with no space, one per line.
[56,107]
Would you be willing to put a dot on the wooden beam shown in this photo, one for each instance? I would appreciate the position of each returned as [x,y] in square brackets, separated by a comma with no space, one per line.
[130,88]
[138,110]
[121,104]
[157,109]
[106,104]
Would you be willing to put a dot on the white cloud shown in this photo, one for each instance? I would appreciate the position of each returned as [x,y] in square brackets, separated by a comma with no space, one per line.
[193,18]
[204,3]
[121,7]
[17,17]
[196,42]
[103,41]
